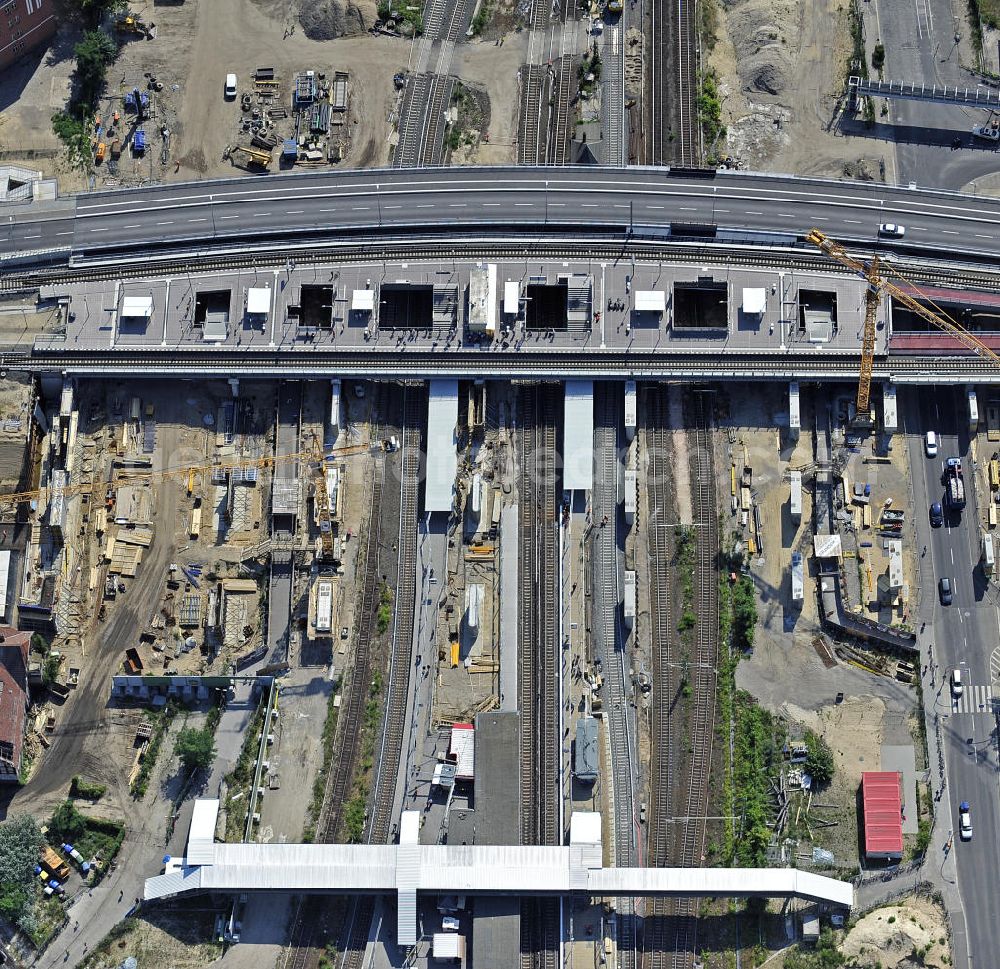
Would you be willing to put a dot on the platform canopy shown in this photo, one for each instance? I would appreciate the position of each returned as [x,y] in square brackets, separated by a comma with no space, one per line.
[363,300]
[650,301]
[442,458]
[754,301]
[578,443]
[137,307]
[258,301]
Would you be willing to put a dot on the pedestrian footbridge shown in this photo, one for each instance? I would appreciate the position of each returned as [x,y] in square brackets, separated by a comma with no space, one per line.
[410,867]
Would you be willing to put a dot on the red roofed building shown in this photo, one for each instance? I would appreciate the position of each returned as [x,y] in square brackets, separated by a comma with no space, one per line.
[883,815]
[14,647]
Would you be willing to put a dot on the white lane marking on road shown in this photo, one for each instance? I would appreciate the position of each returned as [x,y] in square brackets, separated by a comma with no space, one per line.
[785,215]
[197,220]
[356,208]
[136,225]
[751,212]
[491,205]
[65,233]
[295,212]
[949,232]
[918,228]
[980,236]
[457,205]
[34,236]
[589,205]
[820,218]
[100,230]
[158,223]
[392,206]
[261,215]
[687,208]
[222,218]
[557,205]
[425,205]
[853,221]
[524,204]
[953,559]
[661,207]
[722,210]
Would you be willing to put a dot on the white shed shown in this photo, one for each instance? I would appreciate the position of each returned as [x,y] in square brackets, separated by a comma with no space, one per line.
[258,301]
[137,307]
[650,301]
[754,301]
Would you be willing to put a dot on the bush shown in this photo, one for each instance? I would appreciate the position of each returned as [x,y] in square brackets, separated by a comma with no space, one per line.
[878,56]
[819,760]
[66,823]
[195,748]
[86,790]
[384,617]
[50,671]
[74,134]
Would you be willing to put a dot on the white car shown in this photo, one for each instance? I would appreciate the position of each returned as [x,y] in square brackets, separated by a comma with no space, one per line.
[956,682]
[931,444]
[892,229]
[965,821]
[449,924]
[230,86]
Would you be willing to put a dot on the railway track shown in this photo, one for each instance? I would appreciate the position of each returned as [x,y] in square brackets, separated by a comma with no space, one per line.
[539,659]
[381,816]
[675,133]
[338,781]
[565,85]
[679,777]
[531,135]
[611,645]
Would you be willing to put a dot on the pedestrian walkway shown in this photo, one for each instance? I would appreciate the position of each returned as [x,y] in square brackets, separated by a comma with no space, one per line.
[974,699]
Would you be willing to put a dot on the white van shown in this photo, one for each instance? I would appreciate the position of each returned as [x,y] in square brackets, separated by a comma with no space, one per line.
[931,444]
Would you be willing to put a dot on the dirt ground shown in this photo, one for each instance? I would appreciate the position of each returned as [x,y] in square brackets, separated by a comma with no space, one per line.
[173,938]
[780,66]
[892,936]
[195,47]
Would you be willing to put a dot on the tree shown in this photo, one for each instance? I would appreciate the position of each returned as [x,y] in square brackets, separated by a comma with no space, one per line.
[20,840]
[93,55]
[50,671]
[195,748]
[67,823]
[819,760]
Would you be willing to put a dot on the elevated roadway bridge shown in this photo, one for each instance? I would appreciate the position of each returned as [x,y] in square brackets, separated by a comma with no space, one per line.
[129,225]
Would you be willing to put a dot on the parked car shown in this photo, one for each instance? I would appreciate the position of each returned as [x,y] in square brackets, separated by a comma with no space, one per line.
[931,444]
[937,515]
[956,682]
[965,821]
[230,86]
[953,466]
[892,229]
[945,590]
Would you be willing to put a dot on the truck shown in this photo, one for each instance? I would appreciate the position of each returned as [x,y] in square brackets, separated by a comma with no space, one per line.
[955,491]
[53,863]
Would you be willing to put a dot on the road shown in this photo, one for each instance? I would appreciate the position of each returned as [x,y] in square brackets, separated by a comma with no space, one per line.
[208,215]
[964,635]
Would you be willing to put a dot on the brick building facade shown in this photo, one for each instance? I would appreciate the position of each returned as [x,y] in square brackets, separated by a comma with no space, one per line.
[24,25]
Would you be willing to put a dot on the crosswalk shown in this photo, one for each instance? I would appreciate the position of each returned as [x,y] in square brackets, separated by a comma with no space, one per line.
[974,699]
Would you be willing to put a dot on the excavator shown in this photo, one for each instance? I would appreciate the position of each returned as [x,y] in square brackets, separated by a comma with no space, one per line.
[875,272]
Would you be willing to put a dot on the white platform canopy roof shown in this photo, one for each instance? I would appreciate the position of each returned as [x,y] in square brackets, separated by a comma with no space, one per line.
[754,301]
[137,307]
[363,300]
[258,301]
[442,458]
[650,301]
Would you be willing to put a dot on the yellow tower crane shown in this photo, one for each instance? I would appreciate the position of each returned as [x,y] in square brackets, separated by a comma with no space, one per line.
[878,286]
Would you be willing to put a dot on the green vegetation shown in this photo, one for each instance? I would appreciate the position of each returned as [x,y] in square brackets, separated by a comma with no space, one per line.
[825,955]
[589,71]
[92,837]
[74,133]
[91,11]
[744,615]
[708,23]
[94,53]
[195,748]
[38,643]
[50,669]
[710,110]
[20,840]
[356,808]
[923,841]
[819,760]
[86,790]
[684,552]
[483,16]
[982,12]
[319,784]
[878,56]
[161,726]
[756,758]
[383,618]
[405,10]
[238,780]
